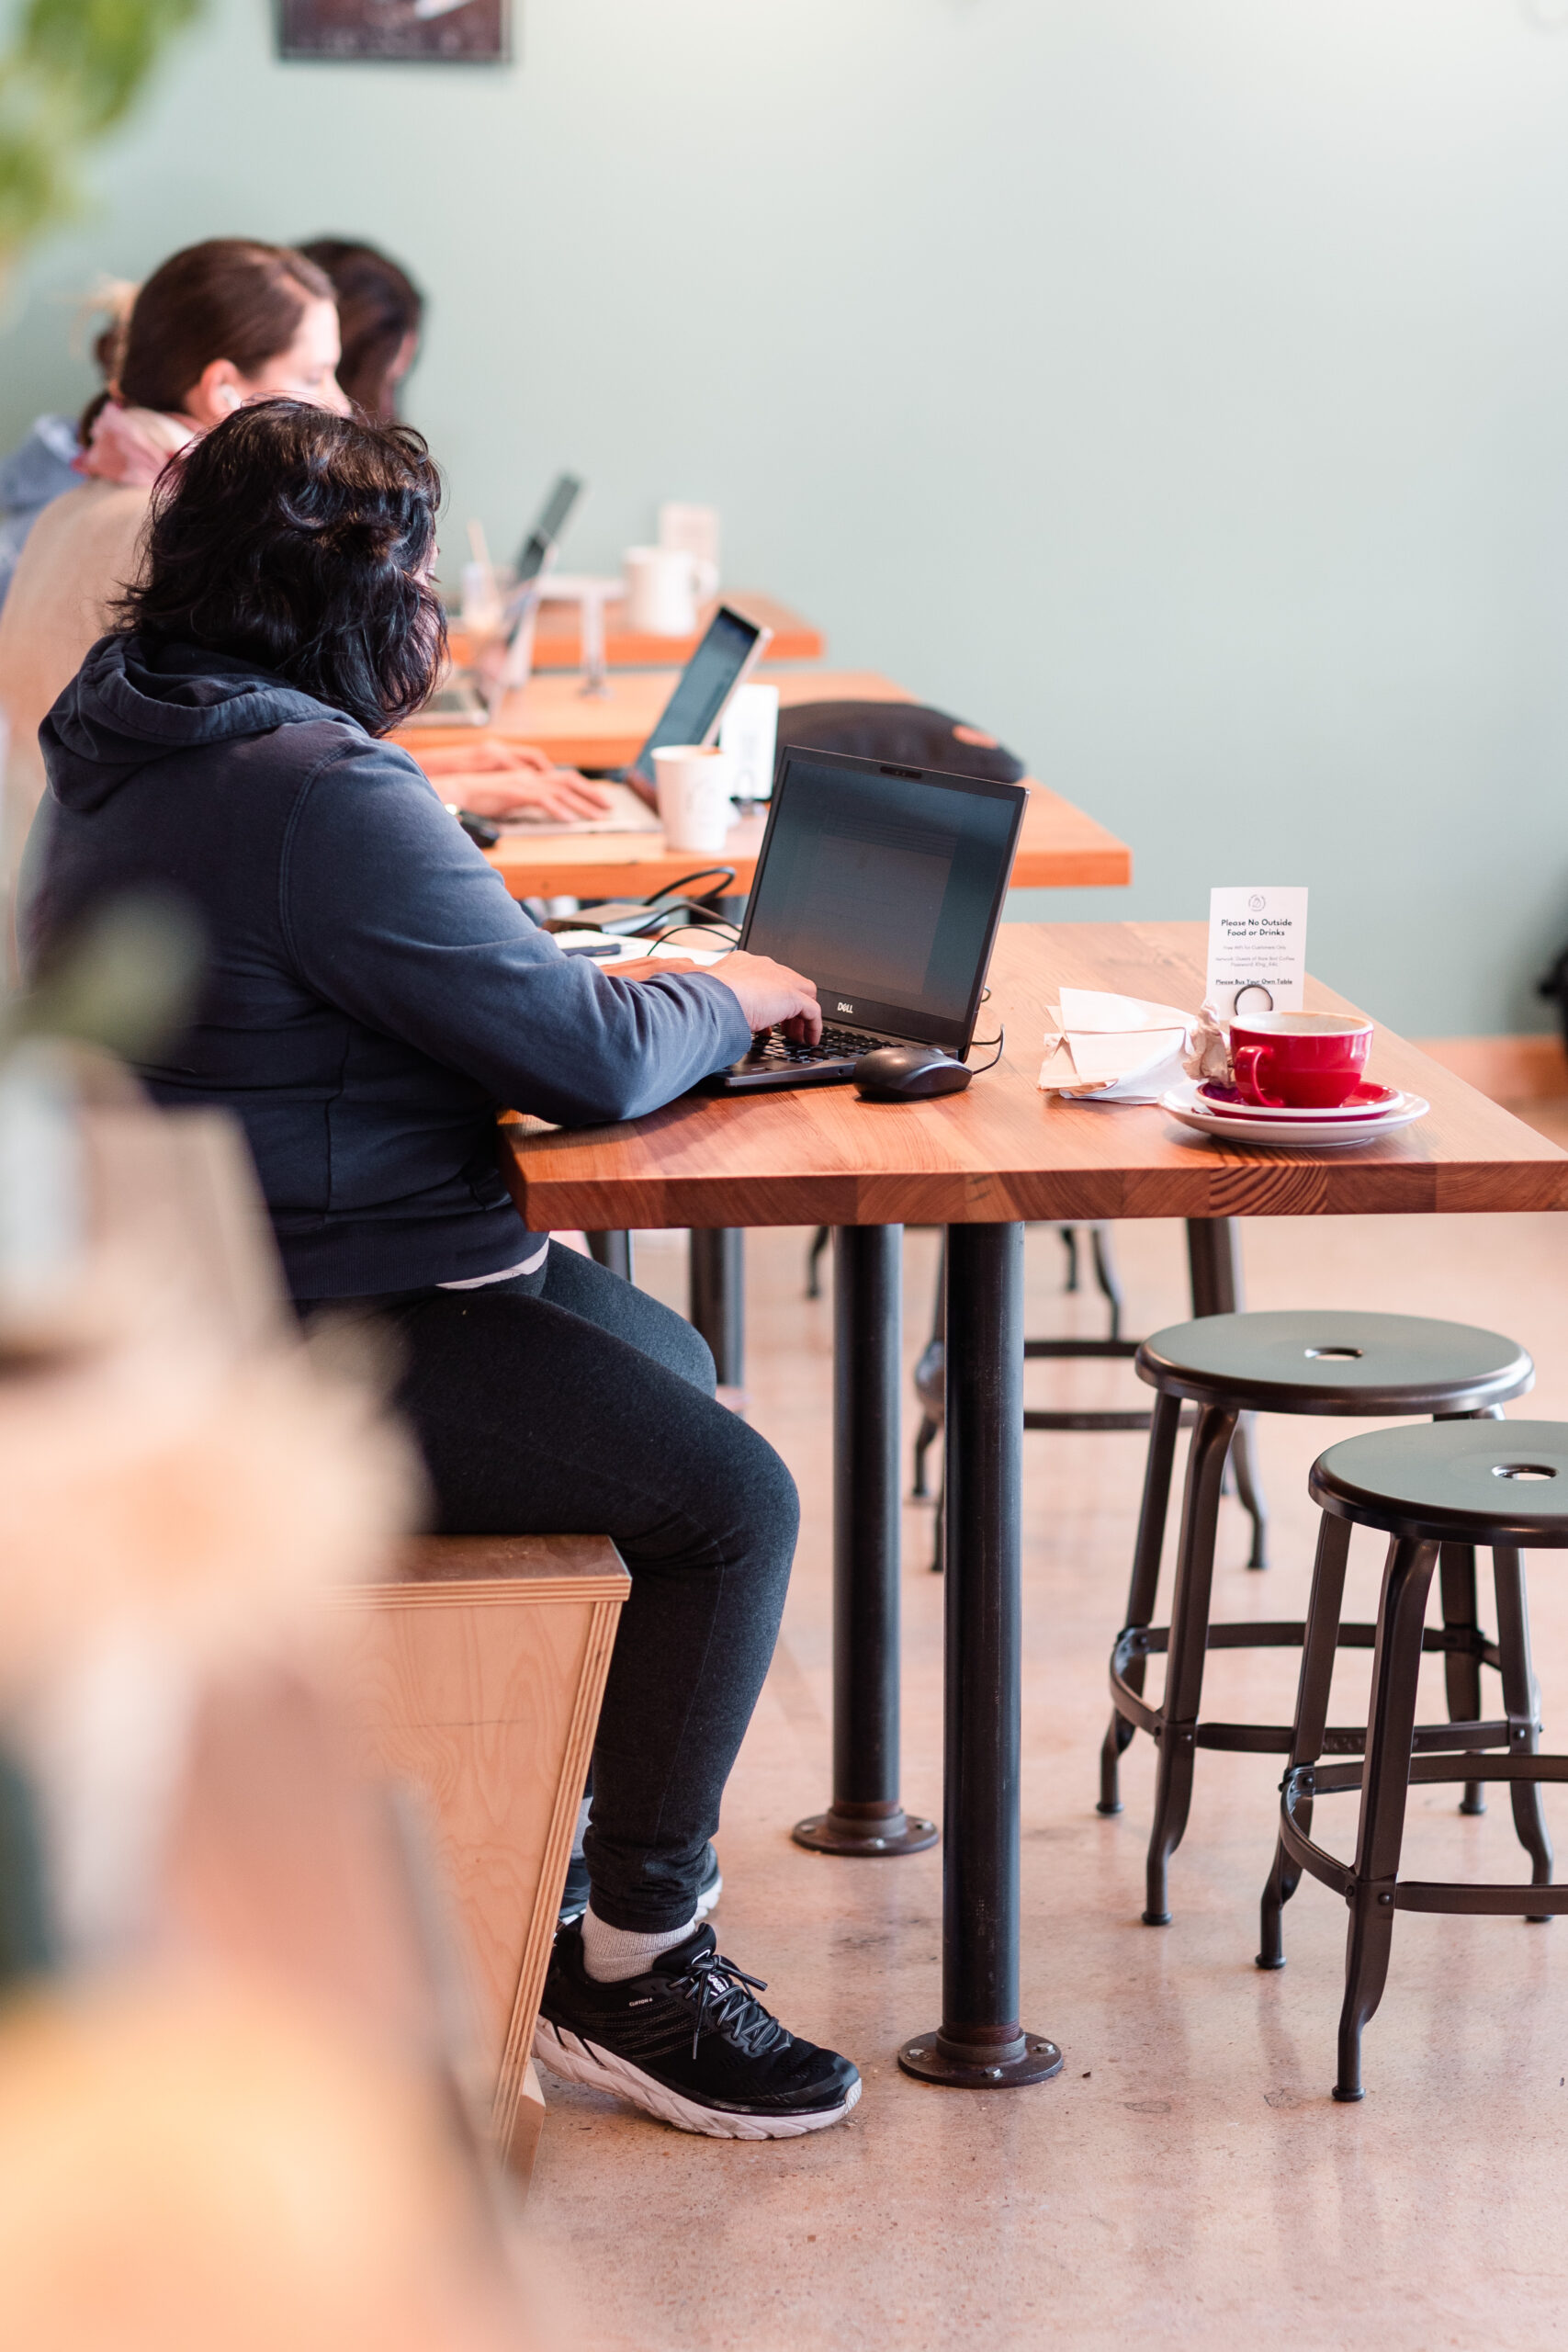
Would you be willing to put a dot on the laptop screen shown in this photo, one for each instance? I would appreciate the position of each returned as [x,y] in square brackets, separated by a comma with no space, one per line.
[549,528]
[703,687]
[884,885]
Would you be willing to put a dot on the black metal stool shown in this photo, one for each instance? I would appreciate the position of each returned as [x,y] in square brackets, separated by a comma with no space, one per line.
[1354,1365]
[1429,1490]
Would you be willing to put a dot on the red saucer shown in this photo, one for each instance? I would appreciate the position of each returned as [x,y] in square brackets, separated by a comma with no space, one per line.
[1364,1103]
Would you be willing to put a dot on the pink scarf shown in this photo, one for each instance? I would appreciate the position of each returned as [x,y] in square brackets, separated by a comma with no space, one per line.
[132,446]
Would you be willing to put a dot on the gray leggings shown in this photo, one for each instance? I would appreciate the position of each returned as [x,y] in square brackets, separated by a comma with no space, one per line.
[571,1403]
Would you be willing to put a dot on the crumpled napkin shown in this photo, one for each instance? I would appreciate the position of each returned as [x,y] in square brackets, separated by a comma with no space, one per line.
[1115,1048]
[1209,1046]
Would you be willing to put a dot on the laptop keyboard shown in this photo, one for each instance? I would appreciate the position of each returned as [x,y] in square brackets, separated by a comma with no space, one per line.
[837,1046]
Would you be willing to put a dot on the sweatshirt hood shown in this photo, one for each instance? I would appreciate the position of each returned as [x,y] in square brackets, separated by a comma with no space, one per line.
[130,702]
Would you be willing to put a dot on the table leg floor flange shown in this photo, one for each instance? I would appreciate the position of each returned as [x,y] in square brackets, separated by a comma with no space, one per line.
[832,1833]
[931,2059]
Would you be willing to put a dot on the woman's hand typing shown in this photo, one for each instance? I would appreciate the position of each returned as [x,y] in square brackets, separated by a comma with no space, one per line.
[499,779]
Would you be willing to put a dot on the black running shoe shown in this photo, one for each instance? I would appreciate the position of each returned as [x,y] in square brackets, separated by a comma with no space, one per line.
[689,2044]
[574,1893]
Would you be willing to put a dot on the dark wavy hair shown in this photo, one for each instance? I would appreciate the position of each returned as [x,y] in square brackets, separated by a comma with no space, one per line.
[303,542]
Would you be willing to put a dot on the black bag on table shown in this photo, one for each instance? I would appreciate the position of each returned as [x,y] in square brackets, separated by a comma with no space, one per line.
[908,734]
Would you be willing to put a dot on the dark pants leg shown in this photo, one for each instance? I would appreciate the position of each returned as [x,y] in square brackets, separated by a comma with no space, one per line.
[584,1407]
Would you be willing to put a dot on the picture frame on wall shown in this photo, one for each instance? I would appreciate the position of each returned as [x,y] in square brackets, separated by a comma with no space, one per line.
[424,32]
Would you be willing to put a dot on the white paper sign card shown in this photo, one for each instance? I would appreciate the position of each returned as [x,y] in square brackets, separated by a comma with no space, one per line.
[1256,950]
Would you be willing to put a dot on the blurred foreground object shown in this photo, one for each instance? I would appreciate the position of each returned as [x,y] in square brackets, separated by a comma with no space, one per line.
[71,71]
[200,2169]
[239,2101]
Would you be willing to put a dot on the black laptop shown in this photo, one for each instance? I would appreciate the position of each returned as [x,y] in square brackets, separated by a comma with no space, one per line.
[884,885]
[540,544]
[728,650]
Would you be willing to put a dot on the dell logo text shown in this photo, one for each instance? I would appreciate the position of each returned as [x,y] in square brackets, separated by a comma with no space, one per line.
[843,1006]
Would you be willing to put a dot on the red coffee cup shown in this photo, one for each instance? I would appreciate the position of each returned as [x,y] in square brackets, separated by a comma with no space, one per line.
[1299,1061]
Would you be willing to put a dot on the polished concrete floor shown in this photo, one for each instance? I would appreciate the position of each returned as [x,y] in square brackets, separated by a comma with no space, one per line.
[1187,2177]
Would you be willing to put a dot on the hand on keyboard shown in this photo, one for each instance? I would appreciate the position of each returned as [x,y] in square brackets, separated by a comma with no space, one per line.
[833,1046]
[771,996]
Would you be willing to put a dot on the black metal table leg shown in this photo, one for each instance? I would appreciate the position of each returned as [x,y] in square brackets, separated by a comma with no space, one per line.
[1215,1263]
[866,1815]
[718,1300]
[1213,1258]
[980,2043]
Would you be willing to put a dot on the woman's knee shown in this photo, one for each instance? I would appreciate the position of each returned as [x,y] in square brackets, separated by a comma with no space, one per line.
[768,1494]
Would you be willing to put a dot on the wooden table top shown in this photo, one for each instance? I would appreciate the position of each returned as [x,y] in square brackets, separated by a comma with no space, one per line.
[1061,847]
[1003,1150]
[557,644]
[606,730]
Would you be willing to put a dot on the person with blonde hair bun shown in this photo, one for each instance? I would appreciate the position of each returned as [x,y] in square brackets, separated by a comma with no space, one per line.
[42,468]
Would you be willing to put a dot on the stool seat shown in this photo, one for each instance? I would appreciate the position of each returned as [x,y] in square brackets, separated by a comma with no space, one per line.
[1331,1362]
[1490,1482]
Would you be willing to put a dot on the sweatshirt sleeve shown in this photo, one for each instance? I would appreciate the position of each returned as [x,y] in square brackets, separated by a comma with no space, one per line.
[395,916]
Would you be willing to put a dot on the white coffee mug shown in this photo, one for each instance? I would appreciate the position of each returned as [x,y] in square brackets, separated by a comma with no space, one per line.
[694,782]
[665,586]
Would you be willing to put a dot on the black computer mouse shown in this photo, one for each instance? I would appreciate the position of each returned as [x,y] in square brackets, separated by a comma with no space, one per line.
[908,1074]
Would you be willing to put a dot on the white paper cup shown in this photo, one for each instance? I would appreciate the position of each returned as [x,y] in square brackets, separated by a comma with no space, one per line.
[694,783]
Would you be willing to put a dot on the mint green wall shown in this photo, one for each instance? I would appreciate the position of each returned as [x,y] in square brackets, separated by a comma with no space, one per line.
[1178,385]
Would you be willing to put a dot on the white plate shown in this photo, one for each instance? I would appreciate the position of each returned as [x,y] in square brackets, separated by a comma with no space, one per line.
[1287,1133]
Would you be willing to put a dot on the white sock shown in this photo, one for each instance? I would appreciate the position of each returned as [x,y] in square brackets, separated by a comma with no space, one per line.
[612,1954]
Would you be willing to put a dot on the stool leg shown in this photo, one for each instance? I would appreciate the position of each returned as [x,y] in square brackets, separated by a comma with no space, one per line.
[1319,1650]
[1189,1643]
[1106,1275]
[931,1386]
[1391,1727]
[924,1438]
[1069,1236]
[1165,1422]
[1247,1486]
[813,1261]
[1462,1668]
[1522,1701]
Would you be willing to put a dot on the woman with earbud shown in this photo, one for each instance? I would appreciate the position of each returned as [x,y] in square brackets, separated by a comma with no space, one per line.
[217,326]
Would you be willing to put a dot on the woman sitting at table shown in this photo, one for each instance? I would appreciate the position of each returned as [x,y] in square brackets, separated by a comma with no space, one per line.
[215,327]
[374,997]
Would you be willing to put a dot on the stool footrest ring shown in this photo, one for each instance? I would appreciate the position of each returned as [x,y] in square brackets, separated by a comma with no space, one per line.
[1490,1899]
[1290,1634]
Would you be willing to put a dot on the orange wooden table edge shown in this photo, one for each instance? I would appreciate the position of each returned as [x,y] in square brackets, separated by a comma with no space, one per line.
[1060,848]
[557,643]
[1001,1151]
[605,731]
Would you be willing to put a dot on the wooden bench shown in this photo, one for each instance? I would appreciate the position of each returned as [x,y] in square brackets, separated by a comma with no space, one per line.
[479,1674]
